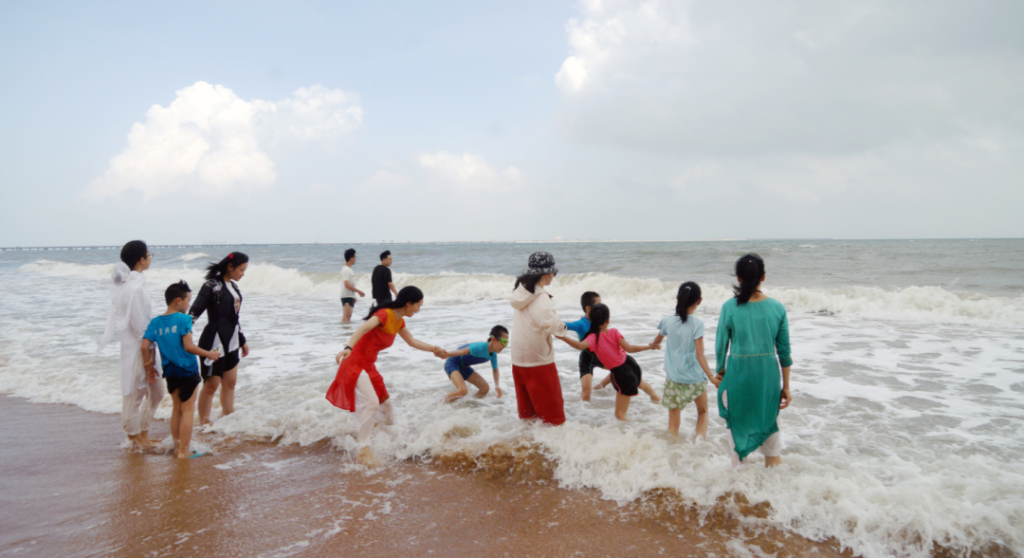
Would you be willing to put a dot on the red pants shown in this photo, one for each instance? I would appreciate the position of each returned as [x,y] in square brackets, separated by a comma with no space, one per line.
[539,393]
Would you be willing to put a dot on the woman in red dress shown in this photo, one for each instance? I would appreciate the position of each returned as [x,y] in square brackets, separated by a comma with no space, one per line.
[359,387]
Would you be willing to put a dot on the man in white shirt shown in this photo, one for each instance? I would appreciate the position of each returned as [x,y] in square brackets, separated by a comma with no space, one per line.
[348,286]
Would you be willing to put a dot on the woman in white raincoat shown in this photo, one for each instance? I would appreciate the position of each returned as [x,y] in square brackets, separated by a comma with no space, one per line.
[129,314]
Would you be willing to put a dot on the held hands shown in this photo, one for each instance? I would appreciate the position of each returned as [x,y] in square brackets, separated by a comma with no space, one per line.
[439,352]
[716,380]
[497,390]
[654,347]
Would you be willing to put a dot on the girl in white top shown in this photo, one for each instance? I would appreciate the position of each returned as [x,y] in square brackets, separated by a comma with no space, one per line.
[129,314]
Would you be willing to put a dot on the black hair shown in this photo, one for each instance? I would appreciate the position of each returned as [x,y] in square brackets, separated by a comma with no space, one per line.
[497,331]
[384,254]
[133,252]
[749,270]
[175,291]
[599,315]
[405,296]
[349,254]
[219,269]
[528,280]
[588,299]
[689,294]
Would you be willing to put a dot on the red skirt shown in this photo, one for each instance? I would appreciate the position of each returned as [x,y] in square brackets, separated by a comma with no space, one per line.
[342,393]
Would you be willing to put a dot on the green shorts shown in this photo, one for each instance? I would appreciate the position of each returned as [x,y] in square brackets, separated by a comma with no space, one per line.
[678,396]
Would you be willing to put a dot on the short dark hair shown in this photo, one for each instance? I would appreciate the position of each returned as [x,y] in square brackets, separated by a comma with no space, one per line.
[588,299]
[133,252]
[384,254]
[497,331]
[349,254]
[175,291]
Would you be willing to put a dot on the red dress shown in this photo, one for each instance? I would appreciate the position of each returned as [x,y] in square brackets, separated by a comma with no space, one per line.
[363,358]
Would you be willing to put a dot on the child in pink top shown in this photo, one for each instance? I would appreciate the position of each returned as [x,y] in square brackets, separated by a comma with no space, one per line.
[611,348]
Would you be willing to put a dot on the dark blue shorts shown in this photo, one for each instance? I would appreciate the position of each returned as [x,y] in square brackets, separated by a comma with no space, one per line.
[454,364]
[350,300]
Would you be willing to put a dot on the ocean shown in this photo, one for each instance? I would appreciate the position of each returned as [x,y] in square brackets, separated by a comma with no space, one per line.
[908,380]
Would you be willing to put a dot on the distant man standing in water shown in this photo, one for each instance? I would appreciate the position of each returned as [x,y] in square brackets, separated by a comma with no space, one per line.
[383,287]
[348,286]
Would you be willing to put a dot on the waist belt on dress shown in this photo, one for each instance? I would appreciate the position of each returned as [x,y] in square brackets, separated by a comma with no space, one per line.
[749,356]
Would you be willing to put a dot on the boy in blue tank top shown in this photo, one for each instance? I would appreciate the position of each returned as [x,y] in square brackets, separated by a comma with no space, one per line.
[172,334]
[459,365]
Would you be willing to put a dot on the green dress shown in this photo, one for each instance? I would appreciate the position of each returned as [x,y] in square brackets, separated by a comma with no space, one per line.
[751,334]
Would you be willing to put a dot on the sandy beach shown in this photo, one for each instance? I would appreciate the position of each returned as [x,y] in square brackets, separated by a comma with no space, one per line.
[69,489]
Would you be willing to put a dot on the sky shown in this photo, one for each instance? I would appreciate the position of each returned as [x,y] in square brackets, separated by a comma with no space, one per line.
[299,122]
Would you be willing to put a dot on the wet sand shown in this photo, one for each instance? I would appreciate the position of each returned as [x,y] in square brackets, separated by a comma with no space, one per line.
[67,488]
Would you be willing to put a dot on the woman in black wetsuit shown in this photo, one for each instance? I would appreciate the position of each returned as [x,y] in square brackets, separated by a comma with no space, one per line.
[221,299]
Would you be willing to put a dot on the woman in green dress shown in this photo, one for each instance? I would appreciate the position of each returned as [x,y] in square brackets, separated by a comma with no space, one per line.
[752,329]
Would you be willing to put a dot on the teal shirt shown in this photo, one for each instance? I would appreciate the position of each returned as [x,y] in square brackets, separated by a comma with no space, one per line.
[751,334]
[479,353]
[681,364]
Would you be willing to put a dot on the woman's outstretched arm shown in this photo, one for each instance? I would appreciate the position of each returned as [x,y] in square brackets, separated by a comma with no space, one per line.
[417,344]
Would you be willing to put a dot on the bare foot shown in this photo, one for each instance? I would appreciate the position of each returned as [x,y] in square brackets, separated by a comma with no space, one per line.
[367,458]
[655,398]
[585,396]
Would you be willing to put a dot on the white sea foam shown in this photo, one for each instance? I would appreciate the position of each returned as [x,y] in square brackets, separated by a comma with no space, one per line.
[927,303]
[193,256]
[903,432]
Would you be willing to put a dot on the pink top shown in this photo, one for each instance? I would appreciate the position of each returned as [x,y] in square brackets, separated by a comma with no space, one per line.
[608,349]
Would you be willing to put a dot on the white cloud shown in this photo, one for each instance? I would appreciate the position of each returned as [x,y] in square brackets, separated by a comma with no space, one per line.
[468,171]
[760,77]
[208,139]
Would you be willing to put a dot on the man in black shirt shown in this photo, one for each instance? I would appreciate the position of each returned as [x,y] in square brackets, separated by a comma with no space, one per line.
[381,279]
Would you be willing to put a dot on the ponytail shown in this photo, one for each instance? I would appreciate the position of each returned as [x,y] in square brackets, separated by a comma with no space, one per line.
[405,296]
[749,270]
[689,294]
[218,270]
[599,315]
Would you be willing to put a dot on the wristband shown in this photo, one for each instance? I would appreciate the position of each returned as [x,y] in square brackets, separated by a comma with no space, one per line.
[347,348]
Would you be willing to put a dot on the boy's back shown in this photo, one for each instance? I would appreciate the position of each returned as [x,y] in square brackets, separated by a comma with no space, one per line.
[166,331]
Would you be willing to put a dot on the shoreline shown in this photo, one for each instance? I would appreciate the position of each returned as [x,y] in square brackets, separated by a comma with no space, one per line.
[69,489]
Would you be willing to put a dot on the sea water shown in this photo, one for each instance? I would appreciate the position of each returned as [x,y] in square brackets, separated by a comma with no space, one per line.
[908,377]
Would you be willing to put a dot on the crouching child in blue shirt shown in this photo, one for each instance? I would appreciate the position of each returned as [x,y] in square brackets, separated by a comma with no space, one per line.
[459,365]
[172,333]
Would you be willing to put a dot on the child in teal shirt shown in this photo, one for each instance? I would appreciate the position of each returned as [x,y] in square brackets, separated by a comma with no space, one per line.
[460,362]
[686,368]
[172,334]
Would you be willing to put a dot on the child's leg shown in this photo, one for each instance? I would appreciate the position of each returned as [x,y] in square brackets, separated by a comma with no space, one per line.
[646,388]
[227,391]
[460,387]
[176,418]
[621,406]
[480,383]
[673,421]
[604,383]
[702,416]
[210,385]
[585,384]
[185,422]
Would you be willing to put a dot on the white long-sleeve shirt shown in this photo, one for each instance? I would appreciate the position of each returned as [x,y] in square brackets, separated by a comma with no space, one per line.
[129,314]
[533,323]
